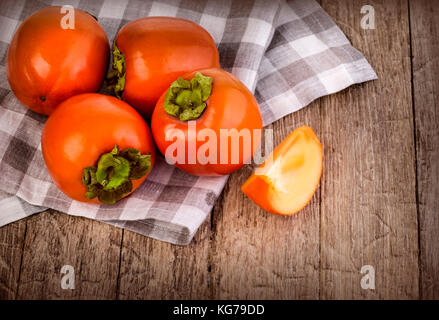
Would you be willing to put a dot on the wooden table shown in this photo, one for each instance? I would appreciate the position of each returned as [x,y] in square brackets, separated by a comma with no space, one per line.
[377,204]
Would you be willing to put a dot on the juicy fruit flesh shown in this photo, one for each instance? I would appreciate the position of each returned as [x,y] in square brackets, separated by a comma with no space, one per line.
[294,174]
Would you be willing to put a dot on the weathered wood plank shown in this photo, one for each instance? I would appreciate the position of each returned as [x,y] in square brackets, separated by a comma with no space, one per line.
[368,198]
[54,239]
[425,64]
[11,249]
[257,255]
[151,269]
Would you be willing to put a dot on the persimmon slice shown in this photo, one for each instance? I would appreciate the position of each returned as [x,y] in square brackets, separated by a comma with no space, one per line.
[288,178]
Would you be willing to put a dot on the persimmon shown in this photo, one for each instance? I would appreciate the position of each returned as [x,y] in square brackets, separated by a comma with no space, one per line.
[97,148]
[152,52]
[46,63]
[207,123]
[288,178]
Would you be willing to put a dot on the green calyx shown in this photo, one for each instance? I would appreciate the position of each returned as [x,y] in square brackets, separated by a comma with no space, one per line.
[116,77]
[111,179]
[185,99]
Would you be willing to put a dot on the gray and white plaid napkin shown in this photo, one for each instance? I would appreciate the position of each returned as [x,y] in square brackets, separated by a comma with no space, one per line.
[287,53]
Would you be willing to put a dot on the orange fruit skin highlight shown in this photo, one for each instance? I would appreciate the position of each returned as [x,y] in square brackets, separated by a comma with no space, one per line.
[261,189]
[47,64]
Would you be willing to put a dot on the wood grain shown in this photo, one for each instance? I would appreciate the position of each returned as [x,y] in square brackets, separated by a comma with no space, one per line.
[425,49]
[151,269]
[257,255]
[11,249]
[368,198]
[54,239]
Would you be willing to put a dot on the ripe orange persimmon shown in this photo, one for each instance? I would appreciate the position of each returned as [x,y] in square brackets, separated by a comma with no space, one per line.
[47,64]
[97,148]
[288,178]
[207,123]
[150,53]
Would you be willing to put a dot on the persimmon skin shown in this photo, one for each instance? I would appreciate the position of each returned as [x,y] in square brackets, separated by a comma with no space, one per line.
[47,64]
[260,187]
[230,106]
[83,128]
[157,51]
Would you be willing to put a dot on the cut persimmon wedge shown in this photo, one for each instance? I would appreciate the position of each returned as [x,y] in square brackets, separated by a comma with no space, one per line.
[289,176]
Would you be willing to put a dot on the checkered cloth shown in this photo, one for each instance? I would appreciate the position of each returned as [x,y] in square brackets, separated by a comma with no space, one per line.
[288,54]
